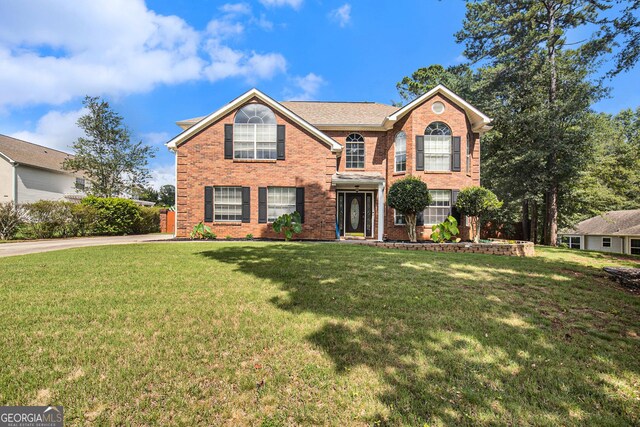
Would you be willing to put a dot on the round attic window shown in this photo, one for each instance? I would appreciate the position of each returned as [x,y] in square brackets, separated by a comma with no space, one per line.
[438,107]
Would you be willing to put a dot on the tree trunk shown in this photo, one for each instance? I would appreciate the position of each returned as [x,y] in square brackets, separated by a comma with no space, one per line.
[551,196]
[551,220]
[533,233]
[475,223]
[410,219]
[525,219]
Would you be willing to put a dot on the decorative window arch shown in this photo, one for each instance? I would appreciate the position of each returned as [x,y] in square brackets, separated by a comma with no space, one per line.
[437,147]
[401,152]
[355,151]
[255,133]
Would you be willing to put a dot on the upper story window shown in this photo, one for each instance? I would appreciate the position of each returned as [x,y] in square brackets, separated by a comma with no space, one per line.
[437,147]
[401,152]
[355,151]
[255,133]
[80,184]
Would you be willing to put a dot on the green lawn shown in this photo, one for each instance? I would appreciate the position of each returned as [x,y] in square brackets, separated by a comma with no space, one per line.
[280,334]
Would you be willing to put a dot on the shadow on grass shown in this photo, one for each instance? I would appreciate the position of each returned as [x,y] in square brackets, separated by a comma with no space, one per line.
[459,338]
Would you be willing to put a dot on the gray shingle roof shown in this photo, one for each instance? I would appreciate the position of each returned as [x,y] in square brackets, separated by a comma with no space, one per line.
[330,113]
[27,153]
[614,223]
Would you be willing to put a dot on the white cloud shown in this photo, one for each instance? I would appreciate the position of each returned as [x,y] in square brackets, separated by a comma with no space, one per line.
[293,3]
[226,62]
[55,129]
[341,15]
[306,87]
[236,8]
[162,175]
[54,51]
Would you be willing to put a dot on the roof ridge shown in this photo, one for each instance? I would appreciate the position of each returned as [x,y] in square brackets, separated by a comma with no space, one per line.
[37,145]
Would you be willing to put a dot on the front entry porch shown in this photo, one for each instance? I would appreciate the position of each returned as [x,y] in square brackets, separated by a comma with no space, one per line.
[360,201]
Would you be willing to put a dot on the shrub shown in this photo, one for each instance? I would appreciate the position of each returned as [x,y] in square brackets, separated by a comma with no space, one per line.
[11,217]
[201,231]
[249,236]
[477,203]
[446,231]
[83,220]
[409,196]
[149,220]
[47,219]
[288,224]
[116,216]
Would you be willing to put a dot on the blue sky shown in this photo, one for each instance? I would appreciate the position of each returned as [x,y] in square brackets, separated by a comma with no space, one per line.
[164,60]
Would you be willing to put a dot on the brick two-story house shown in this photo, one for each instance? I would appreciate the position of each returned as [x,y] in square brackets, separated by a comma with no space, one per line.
[242,166]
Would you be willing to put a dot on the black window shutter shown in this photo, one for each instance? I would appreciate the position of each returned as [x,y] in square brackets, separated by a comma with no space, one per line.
[454,210]
[262,205]
[420,218]
[208,204]
[246,204]
[280,142]
[300,202]
[420,152]
[455,154]
[228,141]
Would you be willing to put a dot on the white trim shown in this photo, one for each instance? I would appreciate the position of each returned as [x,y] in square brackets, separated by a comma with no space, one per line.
[381,211]
[15,183]
[175,197]
[479,121]
[202,124]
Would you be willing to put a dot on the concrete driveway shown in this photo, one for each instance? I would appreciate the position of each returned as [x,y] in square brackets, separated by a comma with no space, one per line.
[23,248]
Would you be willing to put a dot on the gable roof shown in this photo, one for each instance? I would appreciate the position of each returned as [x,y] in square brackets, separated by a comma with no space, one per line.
[27,153]
[479,121]
[614,223]
[350,114]
[207,120]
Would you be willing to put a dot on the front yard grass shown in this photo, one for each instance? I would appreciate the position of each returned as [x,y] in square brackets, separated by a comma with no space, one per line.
[282,334]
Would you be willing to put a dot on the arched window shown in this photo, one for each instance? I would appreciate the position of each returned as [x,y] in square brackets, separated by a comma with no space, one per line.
[401,152]
[437,147]
[254,133]
[355,151]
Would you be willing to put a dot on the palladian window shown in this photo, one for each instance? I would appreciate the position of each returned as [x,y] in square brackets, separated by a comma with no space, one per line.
[437,147]
[355,151]
[255,133]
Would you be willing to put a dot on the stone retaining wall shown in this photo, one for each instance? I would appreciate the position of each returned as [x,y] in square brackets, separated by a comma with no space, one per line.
[523,249]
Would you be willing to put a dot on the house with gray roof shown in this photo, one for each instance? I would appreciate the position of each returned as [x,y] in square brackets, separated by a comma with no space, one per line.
[31,172]
[615,231]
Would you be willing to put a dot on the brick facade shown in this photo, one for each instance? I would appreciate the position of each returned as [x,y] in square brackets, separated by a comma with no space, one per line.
[310,163]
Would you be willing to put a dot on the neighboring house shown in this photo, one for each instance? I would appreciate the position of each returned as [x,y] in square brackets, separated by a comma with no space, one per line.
[31,172]
[242,166]
[615,231]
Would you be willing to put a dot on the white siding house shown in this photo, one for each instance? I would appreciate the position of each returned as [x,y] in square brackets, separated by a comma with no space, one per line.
[31,172]
[615,231]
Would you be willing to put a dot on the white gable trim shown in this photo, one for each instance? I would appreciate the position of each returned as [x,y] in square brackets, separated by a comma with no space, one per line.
[479,121]
[206,121]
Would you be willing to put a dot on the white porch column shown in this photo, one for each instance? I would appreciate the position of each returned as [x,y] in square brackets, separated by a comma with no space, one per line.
[380,211]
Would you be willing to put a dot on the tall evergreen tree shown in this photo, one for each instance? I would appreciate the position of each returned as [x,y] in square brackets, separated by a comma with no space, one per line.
[526,40]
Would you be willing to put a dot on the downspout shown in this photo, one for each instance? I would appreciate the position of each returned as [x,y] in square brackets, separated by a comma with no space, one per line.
[381,187]
[175,195]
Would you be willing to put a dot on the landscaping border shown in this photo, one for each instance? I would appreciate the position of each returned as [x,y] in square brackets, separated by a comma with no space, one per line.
[520,249]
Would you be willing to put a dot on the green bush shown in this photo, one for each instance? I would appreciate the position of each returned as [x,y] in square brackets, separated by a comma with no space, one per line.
[409,196]
[47,219]
[83,220]
[288,224]
[11,217]
[202,232]
[477,203]
[446,231]
[115,216]
[149,220]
